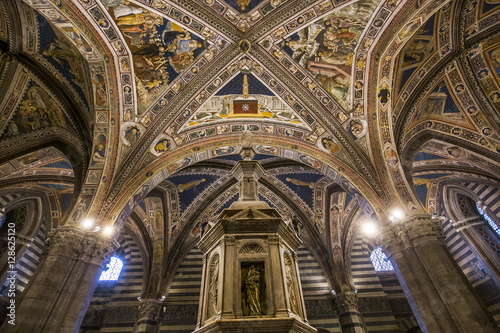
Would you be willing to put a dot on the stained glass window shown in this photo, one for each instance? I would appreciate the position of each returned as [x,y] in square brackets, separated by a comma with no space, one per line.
[487,218]
[2,220]
[380,260]
[112,270]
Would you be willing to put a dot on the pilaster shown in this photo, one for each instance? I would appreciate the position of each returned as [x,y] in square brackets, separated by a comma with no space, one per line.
[60,291]
[148,320]
[350,318]
[436,289]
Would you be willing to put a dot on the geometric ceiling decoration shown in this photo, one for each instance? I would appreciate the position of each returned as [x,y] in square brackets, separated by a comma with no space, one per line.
[59,54]
[326,47]
[229,105]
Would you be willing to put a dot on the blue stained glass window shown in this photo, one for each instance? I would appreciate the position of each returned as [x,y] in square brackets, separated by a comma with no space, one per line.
[380,260]
[487,218]
[2,220]
[112,270]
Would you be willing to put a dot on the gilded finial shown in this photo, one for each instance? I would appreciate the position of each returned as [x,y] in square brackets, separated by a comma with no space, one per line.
[245,87]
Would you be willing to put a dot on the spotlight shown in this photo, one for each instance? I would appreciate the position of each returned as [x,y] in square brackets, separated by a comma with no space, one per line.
[398,214]
[139,298]
[334,292]
[162,298]
[108,231]
[369,228]
[87,223]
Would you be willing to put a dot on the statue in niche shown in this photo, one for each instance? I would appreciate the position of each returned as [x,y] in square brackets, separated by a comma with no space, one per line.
[252,284]
[214,283]
[289,283]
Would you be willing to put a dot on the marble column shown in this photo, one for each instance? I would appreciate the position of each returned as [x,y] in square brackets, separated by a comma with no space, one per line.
[59,293]
[148,320]
[438,292]
[351,320]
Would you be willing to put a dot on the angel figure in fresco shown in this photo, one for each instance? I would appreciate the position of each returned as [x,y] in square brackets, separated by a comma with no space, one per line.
[187,186]
[300,182]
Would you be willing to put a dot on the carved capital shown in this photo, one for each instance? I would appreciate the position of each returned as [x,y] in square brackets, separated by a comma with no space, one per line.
[346,302]
[227,240]
[410,232]
[80,245]
[150,308]
[273,240]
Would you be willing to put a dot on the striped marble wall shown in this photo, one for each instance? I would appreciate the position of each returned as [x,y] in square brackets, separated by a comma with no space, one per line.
[6,199]
[28,258]
[181,306]
[467,259]
[489,195]
[320,304]
[381,299]
[114,306]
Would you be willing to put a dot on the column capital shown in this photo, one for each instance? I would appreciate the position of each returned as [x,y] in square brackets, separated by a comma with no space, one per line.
[410,232]
[346,302]
[79,244]
[150,308]
[228,241]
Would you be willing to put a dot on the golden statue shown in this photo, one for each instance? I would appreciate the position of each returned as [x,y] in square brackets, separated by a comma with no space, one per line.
[252,284]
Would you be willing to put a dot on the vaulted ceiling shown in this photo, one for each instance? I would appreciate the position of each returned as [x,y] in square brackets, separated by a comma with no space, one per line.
[125,110]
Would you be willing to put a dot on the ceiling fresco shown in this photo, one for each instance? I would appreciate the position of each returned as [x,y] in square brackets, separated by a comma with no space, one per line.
[189,187]
[416,52]
[458,115]
[62,55]
[485,61]
[161,49]
[244,6]
[243,13]
[326,47]
[37,110]
[220,107]
[441,104]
